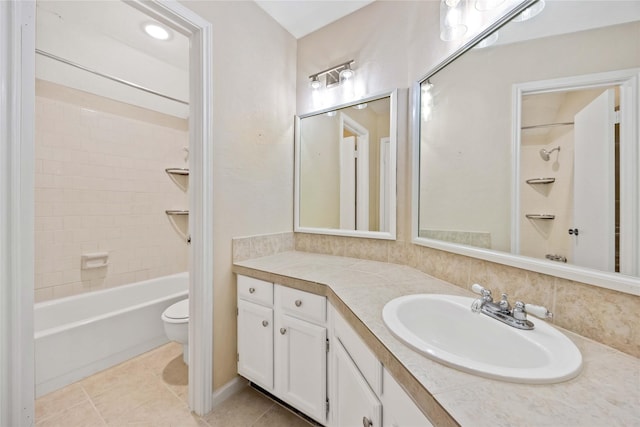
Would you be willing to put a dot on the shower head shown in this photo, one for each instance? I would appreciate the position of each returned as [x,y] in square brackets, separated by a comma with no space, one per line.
[545,154]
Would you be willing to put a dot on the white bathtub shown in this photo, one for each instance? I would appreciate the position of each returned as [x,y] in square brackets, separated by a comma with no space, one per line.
[80,335]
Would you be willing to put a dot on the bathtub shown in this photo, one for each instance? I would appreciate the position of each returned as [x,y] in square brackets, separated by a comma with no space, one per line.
[80,335]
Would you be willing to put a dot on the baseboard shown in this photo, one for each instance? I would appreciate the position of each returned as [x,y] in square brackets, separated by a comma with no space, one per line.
[229,389]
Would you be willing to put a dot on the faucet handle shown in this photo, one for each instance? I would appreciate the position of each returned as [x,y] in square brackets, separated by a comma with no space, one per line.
[538,311]
[479,289]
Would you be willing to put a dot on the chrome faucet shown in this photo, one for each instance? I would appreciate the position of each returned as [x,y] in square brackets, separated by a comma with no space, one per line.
[515,316]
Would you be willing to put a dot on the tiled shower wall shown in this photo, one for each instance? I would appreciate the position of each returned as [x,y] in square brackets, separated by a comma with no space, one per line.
[101,186]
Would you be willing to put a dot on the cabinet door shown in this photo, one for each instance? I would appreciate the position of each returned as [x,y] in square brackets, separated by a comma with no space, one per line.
[399,409]
[301,365]
[353,401]
[255,343]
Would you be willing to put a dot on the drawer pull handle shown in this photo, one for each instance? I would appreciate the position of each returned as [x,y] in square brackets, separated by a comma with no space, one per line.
[252,290]
[298,303]
[283,331]
[265,323]
[366,422]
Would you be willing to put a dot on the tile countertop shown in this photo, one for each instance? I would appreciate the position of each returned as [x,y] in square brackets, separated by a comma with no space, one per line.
[606,393]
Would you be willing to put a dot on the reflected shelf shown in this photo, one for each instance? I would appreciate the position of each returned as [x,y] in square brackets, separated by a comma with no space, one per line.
[540,216]
[174,212]
[541,180]
[177,171]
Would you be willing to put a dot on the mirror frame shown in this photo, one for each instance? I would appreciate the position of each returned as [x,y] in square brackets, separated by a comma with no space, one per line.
[393,135]
[613,281]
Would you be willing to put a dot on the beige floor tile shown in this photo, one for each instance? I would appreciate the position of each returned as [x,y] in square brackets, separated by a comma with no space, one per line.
[81,415]
[240,410]
[118,401]
[278,416]
[175,376]
[59,400]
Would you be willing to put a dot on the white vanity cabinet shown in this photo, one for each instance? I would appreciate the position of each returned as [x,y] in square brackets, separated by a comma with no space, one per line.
[294,345]
[286,354]
[255,331]
[301,350]
[362,392]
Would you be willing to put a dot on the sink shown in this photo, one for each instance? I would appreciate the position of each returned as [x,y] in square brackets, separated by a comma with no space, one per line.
[443,328]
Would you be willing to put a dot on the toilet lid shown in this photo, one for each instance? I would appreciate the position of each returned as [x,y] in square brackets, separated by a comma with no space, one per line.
[179,310]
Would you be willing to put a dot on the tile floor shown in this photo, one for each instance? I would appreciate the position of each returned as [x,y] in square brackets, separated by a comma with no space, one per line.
[151,391]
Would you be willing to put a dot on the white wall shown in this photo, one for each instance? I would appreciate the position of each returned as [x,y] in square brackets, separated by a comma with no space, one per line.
[253,120]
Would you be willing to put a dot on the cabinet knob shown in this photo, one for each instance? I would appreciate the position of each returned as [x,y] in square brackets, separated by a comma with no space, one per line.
[298,303]
[265,323]
[366,422]
[283,331]
[252,290]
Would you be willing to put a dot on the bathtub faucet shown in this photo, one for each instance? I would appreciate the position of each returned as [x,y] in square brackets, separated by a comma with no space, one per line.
[513,316]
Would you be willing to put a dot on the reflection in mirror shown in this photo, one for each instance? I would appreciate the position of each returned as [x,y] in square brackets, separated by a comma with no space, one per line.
[530,146]
[345,170]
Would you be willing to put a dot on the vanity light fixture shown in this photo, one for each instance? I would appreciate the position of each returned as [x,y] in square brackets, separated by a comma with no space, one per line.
[156,31]
[333,76]
[360,106]
[530,12]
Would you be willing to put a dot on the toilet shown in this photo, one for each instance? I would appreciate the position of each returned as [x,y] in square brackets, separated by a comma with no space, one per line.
[176,325]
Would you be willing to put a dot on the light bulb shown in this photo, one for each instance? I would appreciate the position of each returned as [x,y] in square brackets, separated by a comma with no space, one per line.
[346,74]
[156,31]
[315,83]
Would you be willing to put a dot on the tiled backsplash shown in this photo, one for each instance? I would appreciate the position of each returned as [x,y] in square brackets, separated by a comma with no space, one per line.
[606,316]
[101,186]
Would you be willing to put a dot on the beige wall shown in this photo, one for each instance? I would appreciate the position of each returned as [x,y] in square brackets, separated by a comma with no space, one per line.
[253,119]
[101,186]
[486,181]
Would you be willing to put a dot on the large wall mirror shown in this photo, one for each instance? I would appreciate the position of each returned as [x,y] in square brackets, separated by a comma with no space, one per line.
[528,149]
[346,169]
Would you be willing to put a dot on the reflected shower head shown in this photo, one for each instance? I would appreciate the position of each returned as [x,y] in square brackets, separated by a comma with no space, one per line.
[545,154]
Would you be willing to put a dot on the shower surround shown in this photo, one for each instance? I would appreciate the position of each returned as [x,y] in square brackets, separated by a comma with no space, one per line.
[101,186]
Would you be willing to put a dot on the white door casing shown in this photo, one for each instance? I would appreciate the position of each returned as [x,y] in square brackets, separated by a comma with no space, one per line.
[17,74]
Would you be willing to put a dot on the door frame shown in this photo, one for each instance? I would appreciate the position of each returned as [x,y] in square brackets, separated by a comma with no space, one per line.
[629,83]
[362,171]
[17,102]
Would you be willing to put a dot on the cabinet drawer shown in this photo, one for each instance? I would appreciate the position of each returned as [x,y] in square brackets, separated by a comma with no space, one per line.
[255,290]
[301,304]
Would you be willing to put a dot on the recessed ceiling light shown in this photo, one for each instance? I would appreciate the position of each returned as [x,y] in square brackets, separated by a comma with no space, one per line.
[157,32]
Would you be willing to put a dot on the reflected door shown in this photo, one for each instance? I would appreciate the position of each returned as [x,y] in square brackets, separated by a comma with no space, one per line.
[594,184]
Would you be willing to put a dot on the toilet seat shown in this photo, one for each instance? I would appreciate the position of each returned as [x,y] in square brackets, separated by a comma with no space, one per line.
[177,312]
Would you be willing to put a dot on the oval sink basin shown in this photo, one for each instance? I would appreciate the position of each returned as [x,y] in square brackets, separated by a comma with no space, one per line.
[443,328]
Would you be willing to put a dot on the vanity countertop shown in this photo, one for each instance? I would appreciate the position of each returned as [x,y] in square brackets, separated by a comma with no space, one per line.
[606,393]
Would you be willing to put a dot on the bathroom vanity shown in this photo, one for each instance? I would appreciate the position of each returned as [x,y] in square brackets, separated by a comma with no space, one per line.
[335,338]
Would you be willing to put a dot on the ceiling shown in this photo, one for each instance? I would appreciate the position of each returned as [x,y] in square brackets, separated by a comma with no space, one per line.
[301,17]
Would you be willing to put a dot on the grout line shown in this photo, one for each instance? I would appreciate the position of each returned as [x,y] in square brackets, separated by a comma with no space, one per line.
[93,405]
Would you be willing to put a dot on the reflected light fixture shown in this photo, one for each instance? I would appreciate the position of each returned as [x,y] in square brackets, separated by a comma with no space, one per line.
[333,76]
[530,12]
[485,5]
[156,31]
[487,41]
[360,106]
[453,16]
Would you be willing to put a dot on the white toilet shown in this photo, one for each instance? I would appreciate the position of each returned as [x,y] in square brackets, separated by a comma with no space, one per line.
[176,325]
